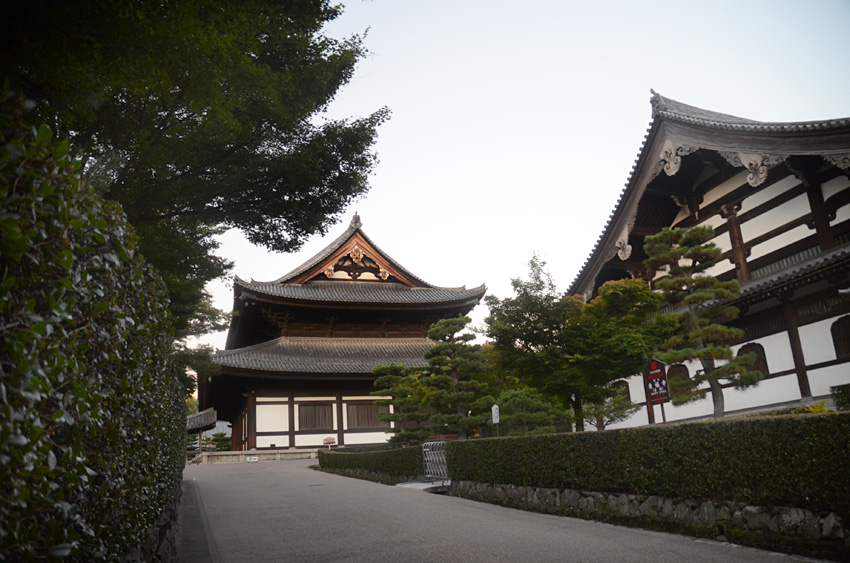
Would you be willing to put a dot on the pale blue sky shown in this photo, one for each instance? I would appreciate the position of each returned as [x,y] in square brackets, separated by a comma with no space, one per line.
[515,124]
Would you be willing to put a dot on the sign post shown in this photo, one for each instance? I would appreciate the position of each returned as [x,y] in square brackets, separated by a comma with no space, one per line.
[657,390]
[494,410]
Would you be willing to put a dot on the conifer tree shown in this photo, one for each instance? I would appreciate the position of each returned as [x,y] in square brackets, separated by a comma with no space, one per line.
[407,399]
[460,400]
[700,303]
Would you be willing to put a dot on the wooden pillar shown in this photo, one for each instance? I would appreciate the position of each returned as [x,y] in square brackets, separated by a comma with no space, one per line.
[252,420]
[739,252]
[791,325]
[819,217]
[340,433]
[292,419]
[805,169]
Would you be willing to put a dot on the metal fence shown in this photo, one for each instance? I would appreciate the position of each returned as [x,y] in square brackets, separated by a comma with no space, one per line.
[434,454]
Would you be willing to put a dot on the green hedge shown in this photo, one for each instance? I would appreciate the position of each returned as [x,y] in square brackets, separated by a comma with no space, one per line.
[93,418]
[799,461]
[387,466]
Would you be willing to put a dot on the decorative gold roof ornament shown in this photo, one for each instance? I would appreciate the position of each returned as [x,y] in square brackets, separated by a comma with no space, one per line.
[329,271]
[356,254]
[383,274]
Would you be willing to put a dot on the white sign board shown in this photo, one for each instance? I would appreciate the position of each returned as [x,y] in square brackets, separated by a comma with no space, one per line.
[252,458]
[495,411]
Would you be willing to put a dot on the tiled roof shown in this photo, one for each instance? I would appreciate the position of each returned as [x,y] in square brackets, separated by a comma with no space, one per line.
[326,355]
[666,109]
[363,292]
[785,279]
[354,227]
[677,111]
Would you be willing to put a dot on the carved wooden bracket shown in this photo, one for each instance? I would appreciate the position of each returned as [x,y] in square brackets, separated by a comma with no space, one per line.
[671,158]
[840,160]
[757,164]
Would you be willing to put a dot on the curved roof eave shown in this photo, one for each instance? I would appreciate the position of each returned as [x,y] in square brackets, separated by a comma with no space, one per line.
[667,110]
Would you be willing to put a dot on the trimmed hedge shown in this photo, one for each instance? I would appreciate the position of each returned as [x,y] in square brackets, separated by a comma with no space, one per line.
[93,417]
[796,461]
[391,466]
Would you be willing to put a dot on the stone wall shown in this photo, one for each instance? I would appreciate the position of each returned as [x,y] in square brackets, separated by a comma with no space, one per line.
[792,530]
[161,541]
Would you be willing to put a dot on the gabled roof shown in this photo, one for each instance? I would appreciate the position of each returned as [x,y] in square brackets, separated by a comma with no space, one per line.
[354,231]
[677,130]
[313,282]
[288,356]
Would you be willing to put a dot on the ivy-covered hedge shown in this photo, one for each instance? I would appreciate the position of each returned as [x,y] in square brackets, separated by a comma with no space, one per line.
[92,419]
[796,461]
[391,466]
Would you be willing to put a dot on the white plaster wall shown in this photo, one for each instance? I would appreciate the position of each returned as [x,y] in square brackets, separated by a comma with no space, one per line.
[816,339]
[777,350]
[353,439]
[725,188]
[280,441]
[272,418]
[304,440]
[841,215]
[820,380]
[768,193]
[834,186]
[774,218]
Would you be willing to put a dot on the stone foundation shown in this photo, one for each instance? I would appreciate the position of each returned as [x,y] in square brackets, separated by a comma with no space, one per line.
[792,530]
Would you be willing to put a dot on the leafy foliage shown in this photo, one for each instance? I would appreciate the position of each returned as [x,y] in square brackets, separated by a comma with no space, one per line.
[525,411]
[459,399]
[841,396]
[612,409]
[387,466]
[701,302]
[197,116]
[408,399]
[570,349]
[796,461]
[93,413]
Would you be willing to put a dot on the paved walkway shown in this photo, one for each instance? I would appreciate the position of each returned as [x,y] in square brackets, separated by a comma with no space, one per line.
[285,511]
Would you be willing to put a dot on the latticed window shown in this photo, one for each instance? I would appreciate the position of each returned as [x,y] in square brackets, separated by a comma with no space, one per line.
[315,417]
[841,337]
[366,416]
[761,359]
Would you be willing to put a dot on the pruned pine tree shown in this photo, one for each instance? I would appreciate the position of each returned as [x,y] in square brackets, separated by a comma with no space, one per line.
[700,304]
[460,400]
[409,414]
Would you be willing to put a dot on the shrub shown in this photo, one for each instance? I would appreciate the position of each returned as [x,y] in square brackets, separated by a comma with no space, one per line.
[387,466]
[797,461]
[841,397]
[93,417]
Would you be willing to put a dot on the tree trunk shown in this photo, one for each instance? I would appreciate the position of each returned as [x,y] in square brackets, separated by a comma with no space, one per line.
[717,397]
[576,402]
[461,426]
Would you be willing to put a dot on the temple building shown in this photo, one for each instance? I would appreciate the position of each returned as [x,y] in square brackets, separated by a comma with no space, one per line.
[778,198]
[297,368]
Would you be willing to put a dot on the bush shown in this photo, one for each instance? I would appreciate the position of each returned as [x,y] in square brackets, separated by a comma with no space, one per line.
[796,461]
[390,466]
[93,417]
[841,397]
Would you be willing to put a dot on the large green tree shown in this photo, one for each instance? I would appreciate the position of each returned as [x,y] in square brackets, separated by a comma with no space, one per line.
[408,399]
[571,349]
[459,398]
[700,303]
[198,116]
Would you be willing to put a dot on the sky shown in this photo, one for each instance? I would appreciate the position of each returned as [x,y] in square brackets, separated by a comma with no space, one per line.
[515,125]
